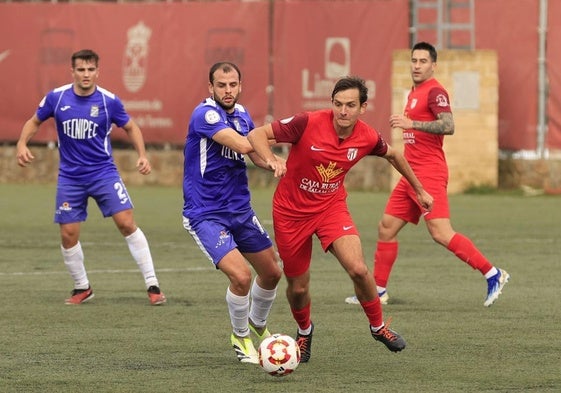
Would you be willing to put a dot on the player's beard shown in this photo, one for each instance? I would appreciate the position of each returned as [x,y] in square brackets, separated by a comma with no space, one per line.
[226,106]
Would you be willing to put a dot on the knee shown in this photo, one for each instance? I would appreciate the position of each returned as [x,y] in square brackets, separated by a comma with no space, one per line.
[441,231]
[438,240]
[127,229]
[385,232]
[275,276]
[125,222]
[358,272]
[241,282]
[270,280]
[69,238]
[297,290]
[442,238]
[273,272]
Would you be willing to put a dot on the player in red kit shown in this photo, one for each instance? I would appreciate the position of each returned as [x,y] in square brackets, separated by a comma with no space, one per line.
[426,119]
[310,199]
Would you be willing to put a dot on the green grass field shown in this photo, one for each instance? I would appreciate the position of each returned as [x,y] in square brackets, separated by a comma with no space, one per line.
[118,343]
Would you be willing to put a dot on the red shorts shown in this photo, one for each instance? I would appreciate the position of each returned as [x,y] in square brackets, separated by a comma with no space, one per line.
[403,201]
[294,238]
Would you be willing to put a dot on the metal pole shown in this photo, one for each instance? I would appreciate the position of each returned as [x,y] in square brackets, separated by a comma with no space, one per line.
[542,83]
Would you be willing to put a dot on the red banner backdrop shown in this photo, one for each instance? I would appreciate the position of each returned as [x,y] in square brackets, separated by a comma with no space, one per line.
[317,42]
[512,32]
[155,57]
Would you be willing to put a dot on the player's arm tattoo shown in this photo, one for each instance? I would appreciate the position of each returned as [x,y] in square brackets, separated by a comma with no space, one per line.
[444,124]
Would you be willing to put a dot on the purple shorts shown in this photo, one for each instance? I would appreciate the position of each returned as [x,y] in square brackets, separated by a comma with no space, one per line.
[218,234]
[71,206]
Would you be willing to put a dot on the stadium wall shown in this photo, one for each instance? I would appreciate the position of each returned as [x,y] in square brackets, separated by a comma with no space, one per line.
[167,169]
[156,55]
[371,174]
[290,54]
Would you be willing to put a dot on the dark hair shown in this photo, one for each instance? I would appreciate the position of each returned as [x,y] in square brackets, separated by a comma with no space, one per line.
[428,47]
[87,55]
[225,66]
[351,82]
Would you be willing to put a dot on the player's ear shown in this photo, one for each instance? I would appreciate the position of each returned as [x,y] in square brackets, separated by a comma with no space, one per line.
[363,107]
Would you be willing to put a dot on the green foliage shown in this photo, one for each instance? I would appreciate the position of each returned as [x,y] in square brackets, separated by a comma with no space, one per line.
[118,343]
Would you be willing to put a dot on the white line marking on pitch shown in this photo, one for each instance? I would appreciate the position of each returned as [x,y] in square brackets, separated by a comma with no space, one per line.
[191,269]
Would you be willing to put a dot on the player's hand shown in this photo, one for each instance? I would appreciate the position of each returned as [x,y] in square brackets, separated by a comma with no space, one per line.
[426,200]
[400,121]
[24,156]
[143,166]
[278,166]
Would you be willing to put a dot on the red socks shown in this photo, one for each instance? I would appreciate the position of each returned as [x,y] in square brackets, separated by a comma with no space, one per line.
[373,311]
[384,258]
[467,252]
[460,245]
[302,316]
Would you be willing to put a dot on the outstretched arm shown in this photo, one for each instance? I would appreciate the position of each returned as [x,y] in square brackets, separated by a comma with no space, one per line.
[256,159]
[399,162]
[231,138]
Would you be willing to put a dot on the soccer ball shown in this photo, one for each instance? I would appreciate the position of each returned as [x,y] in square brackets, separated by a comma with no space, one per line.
[279,355]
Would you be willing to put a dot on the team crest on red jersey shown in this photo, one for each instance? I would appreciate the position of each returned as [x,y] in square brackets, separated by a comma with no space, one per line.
[441,100]
[330,172]
[352,153]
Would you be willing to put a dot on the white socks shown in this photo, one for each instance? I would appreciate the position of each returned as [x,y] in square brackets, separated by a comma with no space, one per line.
[74,261]
[140,251]
[491,272]
[240,312]
[238,307]
[261,303]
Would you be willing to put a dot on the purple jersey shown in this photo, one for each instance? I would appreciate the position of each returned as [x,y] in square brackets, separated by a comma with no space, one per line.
[84,126]
[215,177]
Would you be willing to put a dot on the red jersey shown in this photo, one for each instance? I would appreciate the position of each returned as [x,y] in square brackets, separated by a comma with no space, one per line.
[319,161]
[423,150]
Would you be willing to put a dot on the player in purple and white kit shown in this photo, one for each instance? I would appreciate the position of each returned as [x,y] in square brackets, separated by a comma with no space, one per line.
[217,211]
[84,114]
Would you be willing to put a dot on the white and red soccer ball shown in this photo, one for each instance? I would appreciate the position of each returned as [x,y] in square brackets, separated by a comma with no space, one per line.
[279,355]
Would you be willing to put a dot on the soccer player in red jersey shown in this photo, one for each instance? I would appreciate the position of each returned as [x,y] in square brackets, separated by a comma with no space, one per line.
[311,199]
[425,121]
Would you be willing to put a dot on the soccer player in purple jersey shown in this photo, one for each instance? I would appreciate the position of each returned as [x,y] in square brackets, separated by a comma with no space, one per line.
[217,210]
[84,114]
